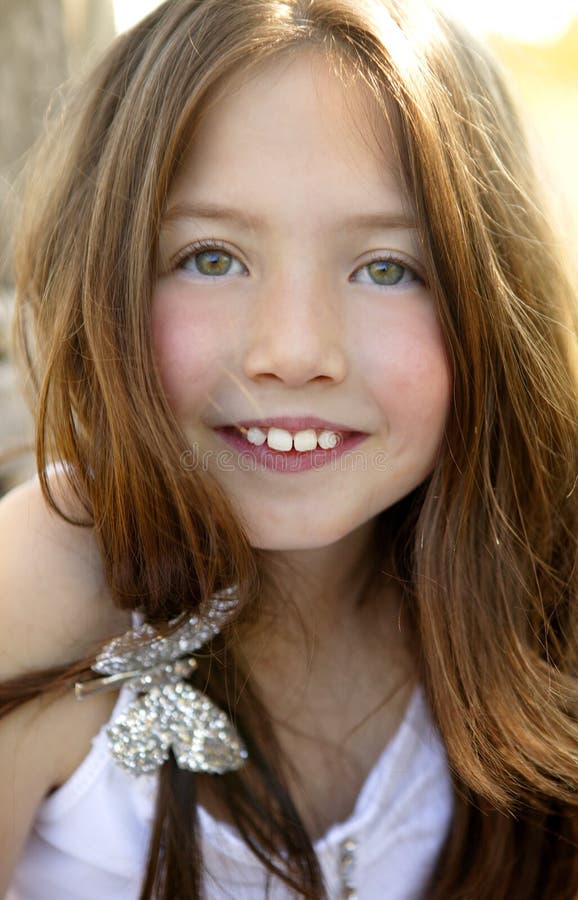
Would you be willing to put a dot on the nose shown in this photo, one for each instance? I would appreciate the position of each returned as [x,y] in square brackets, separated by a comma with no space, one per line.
[296,334]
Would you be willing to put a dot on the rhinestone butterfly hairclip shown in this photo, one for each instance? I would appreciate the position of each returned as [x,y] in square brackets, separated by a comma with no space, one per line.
[168,714]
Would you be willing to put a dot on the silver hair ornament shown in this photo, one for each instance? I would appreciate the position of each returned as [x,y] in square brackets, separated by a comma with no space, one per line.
[170,714]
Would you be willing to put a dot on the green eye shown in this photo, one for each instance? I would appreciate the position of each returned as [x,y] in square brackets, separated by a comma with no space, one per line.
[208,259]
[387,273]
[213,262]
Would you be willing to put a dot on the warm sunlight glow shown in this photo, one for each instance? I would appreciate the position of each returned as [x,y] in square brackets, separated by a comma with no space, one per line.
[518,20]
[128,12]
[515,19]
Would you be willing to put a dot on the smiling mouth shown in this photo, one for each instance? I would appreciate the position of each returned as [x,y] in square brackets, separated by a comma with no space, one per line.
[285,441]
[253,457]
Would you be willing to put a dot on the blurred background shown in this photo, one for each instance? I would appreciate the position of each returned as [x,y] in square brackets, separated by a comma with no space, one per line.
[43,43]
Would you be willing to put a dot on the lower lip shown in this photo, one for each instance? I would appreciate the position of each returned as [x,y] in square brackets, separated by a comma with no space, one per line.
[289,461]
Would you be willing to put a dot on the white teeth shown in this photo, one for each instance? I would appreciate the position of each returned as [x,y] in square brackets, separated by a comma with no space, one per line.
[328,439]
[281,439]
[256,436]
[305,440]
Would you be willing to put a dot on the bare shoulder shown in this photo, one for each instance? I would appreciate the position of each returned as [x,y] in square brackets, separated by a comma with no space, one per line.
[54,610]
[54,603]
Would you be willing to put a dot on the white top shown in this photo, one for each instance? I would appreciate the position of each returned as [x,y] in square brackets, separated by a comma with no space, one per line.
[89,840]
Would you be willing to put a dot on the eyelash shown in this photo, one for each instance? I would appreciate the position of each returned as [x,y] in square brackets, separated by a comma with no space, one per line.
[206,245]
[396,260]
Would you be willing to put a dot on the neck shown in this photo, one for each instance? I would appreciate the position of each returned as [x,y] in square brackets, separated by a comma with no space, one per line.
[334,674]
[317,584]
[323,610]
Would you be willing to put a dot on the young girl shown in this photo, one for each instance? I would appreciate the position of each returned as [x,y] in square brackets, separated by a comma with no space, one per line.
[291,609]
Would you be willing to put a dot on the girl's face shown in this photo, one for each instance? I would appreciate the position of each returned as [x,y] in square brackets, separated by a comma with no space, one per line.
[292,286]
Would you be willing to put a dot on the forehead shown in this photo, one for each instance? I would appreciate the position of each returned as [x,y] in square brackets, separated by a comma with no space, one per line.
[292,119]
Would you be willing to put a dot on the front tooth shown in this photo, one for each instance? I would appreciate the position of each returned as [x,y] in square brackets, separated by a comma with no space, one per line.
[328,440]
[256,436]
[305,440]
[279,439]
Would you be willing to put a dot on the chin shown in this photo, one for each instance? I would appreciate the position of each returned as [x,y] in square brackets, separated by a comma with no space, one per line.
[295,537]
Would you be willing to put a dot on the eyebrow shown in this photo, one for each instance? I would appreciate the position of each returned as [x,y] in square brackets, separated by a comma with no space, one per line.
[214,212]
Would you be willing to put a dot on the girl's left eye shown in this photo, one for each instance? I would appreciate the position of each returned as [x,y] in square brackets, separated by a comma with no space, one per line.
[385,273]
[210,261]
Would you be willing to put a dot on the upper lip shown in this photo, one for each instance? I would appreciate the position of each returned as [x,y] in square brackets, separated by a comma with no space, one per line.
[294,423]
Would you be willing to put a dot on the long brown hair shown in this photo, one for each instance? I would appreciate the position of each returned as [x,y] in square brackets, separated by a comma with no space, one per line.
[486,549]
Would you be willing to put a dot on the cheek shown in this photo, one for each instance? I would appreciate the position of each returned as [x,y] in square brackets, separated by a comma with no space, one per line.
[411,374]
[188,347]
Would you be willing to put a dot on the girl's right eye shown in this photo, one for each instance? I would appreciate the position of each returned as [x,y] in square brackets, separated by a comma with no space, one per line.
[209,260]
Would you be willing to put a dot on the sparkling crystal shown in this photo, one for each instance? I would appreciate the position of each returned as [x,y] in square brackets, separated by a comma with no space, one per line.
[180,718]
[169,714]
[128,652]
